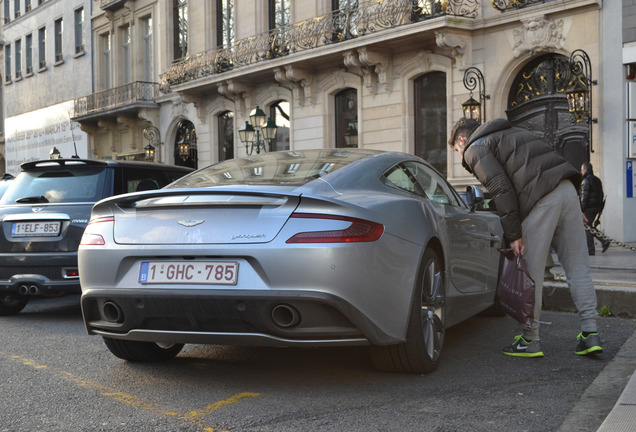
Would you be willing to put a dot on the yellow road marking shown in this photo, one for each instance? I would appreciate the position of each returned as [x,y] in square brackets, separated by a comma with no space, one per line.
[193,417]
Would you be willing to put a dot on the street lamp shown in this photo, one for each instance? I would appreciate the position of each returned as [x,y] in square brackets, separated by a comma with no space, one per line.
[258,134]
[153,135]
[473,109]
[54,153]
[579,91]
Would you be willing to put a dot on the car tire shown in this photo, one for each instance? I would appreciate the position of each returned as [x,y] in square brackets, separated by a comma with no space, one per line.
[137,351]
[427,325]
[11,304]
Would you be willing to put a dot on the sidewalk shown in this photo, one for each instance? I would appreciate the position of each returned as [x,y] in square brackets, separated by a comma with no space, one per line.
[614,275]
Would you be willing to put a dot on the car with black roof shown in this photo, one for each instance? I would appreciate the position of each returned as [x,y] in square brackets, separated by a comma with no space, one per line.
[44,214]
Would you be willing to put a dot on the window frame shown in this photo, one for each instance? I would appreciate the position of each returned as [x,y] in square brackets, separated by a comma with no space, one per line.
[41,48]
[58,26]
[78,15]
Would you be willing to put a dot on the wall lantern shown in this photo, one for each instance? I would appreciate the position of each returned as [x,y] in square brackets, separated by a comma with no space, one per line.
[579,91]
[258,134]
[152,134]
[351,136]
[55,153]
[473,109]
[187,142]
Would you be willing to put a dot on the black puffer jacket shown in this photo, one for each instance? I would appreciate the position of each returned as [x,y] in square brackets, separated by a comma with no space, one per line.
[591,192]
[517,167]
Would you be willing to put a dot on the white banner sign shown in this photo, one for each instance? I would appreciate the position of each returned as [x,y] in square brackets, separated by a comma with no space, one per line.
[33,135]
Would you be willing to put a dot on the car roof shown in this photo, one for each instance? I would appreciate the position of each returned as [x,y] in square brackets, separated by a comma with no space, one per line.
[85,163]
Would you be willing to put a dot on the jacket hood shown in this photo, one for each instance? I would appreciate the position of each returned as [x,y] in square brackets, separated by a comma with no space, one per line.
[488,128]
[482,131]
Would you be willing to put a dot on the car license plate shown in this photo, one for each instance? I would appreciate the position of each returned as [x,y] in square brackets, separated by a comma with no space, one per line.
[36,229]
[189,272]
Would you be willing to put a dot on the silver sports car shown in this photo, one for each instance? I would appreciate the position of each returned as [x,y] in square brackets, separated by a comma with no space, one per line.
[296,248]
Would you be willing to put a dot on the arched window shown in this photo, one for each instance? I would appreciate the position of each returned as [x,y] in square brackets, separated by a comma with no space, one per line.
[185,145]
[180,22]
[347,118]
[226,135]
[279,112]
[431,119]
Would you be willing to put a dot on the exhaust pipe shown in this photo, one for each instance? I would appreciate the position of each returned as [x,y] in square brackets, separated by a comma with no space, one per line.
[285,316]
[112,312]
[23,290]
[34,290]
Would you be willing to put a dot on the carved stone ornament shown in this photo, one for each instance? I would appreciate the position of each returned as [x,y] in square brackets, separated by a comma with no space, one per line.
[460,46]
[538,35]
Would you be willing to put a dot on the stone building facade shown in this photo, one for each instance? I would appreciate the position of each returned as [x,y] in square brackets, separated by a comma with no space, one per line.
[183,76]
[46,65]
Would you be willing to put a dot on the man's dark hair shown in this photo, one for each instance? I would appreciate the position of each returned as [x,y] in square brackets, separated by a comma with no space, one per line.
[464,127]
[588,167]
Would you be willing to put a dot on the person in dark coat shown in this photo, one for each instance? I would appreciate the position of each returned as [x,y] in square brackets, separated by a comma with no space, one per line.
[592,203]
[535,190]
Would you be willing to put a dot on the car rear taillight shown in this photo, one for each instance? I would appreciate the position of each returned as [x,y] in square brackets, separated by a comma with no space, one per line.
[93,239]
[359,231]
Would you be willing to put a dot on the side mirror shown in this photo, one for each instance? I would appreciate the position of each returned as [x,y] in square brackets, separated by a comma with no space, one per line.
[474,197]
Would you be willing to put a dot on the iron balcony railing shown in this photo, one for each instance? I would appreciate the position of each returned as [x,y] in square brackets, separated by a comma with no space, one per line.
[339,26]
[129,94]
[504,5]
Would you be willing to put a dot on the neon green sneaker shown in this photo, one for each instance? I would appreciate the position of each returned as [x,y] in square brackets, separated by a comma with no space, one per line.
[523,348]
[589,345]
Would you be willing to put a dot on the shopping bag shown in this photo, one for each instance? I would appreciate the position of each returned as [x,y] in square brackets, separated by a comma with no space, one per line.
[515,292]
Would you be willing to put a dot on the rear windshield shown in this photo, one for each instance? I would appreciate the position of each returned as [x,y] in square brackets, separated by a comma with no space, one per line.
[293,168]
[57,186]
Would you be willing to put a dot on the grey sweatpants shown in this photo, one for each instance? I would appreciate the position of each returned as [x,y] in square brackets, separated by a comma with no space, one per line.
[556,221]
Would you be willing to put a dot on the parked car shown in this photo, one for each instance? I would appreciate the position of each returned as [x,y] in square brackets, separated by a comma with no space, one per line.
[297,248]
[43,217]
[5,182]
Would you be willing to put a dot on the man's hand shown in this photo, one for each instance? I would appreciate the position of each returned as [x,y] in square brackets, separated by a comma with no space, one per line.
[517,247]
[585,220]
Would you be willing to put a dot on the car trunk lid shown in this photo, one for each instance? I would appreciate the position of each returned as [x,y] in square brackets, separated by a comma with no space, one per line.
[202,217]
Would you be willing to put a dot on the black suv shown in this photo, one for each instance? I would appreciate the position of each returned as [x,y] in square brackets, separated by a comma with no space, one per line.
[44,213]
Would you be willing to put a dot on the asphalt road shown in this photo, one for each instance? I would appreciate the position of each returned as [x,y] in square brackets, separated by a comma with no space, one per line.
[54,377]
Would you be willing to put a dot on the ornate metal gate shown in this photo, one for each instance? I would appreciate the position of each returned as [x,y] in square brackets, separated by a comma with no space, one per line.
[537,102]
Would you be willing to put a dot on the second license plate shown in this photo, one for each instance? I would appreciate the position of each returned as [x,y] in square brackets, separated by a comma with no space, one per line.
[189,272]
[35,229]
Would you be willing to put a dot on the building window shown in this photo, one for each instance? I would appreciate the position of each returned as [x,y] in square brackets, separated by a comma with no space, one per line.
[225,23]
[42,47]
[347,118]
[28,53]
[345,18]
[279,112]
[105,45]
[79,35]
[58,40]
[431,120]
[18,59]
[226,136]
[7,63]
[180,15]
[279,15]
[27,5]
[125,54]
[7,12]
[146,35]
[16,8]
